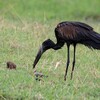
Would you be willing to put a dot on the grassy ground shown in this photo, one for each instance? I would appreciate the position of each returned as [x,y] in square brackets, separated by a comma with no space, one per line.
[24,25]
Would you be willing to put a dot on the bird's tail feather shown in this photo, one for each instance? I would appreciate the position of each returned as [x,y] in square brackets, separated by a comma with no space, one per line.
[95,37]
[94,41]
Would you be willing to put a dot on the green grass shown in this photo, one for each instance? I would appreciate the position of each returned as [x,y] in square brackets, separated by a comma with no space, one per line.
[49,10]
[24,25]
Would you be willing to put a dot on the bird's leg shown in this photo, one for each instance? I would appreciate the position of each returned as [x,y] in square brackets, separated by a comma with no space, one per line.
[73,61]
[68,61]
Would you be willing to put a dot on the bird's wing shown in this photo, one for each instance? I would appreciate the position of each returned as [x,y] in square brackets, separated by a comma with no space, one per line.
[75,30]
[87,31]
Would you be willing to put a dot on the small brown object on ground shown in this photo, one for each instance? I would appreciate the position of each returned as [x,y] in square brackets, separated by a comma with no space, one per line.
[11,65]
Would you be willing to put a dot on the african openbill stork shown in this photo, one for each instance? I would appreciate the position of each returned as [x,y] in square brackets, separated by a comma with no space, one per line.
[71,33]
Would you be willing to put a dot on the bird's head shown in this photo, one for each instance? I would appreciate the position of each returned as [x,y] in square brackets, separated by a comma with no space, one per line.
[47,44]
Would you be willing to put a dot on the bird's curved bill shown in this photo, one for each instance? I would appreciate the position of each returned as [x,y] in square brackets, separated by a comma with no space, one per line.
[47,44]
[38,56]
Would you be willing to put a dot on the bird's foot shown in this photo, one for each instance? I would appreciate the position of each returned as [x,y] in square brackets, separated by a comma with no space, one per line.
[71,75]
[64,78]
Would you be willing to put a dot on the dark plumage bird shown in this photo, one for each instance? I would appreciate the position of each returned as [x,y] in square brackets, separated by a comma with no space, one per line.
[71,33]
[11,65]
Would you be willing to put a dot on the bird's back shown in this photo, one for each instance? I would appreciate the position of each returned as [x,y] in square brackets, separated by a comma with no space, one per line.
[78,24]
[70,30]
